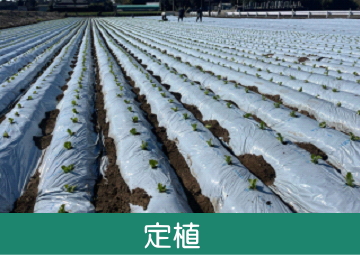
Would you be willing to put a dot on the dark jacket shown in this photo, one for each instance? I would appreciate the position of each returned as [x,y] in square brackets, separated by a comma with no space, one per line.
[199,12]
[181,12]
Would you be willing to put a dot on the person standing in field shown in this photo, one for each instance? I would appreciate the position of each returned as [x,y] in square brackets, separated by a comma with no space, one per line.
[181,14]
[199,15]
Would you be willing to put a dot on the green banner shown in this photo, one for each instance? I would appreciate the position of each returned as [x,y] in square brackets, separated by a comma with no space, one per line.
[179,233]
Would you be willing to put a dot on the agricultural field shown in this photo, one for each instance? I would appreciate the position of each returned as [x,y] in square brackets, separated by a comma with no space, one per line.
[135,115]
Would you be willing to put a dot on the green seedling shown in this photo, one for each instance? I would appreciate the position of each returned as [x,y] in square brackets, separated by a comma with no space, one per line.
[38,87]
[75,111]
[6,135]
[170,100]
[300,89]
[194,125]
[121,88]
[69,188]
[163,94]
[74,120]
[252,184]
[17,114]
[175,109]
[292,77]
[119,95]
[277,105]
[186,116]
[206,92]
[133,131]
[324,86]
[127,101]
[315,158]
[208,126]
[161,188]
[209,142]
[349,180]
[129,109]
[67,145]
[62,209]
[246,90]
[293,114]
[11,120]
[144,145]
[217,97]
[77,96]
[228,105]
[29,98]
[322,124]
[262,125]
[247,115]
[263,98]
[154,85]
[280,138]
[338,104]
[353,137]
[135,119]
[159,89]
[358,112]
[153,163]
[67,169]
[71,133]
[73,102]
[228,160]
[19,105]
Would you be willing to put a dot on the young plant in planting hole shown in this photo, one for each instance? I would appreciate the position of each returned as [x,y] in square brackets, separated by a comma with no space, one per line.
[252,184]
[119,95]
[75,111]
[170,100]
[263,98]
[228,105]
[67,169]
[246,90]
[69,188]
[11,120]
[71,133]
[208,126]
[38,87]
[216,97]
[262,125]
[206,92]
[280,138]
[163,94]
[133,131]
[161,188]
[300,89]
[228,160]
[73,102]
[6,135]
[135,119]
[159,89]
[17,114]
[175,109]
[315,158]
[247,115]
[129,109]
[353,137]
[62,209]
[293,114]
[277,105]
[29,98]
[67,145]
[19,105]
[144,145]
[338,104]
[153,163]
[127,101]
[209,142]
[322,124]
[74,120]
[324,86]
[186,116]
[349,180]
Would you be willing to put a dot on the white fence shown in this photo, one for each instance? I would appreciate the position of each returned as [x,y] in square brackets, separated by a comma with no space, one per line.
[308,14]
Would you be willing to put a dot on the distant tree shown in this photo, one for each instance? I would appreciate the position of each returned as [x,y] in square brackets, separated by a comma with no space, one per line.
[342,5]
